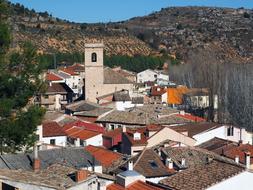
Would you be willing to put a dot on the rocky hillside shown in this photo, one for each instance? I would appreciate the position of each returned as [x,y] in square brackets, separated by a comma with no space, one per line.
[176,31]
[179,30]
[52,34]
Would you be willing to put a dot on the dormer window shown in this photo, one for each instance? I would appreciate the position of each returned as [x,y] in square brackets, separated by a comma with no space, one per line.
[93,57]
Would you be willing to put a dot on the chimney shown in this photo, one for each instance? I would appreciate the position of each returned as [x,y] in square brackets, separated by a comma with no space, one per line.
[183,162]
[77,142]
[124,129]
[130,165]
[169,163]
[81,175]
[36,160]
[137,136]
[247,160]
[237,159]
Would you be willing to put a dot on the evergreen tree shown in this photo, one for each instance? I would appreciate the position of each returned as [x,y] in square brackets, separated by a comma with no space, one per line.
[19,82]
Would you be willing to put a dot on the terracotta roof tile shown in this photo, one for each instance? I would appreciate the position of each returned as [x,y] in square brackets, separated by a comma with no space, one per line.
[113,133]
[83,134]
[138,185]
[53,77]
[202,176]
[191,117]
[69,71]
[239,151]
[157,91]
[84,125]
[130,135]
[106,157]
[52,129]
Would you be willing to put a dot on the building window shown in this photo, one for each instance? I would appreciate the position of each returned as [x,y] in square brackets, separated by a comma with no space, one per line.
[153,164]
[112,126]
[46,96]
[230,131]
[93,57]
[52,141]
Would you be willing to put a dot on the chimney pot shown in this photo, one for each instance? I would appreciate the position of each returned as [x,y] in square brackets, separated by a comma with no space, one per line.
[237,159]
[247,160]
[183,162]
[81,175]
[130,165]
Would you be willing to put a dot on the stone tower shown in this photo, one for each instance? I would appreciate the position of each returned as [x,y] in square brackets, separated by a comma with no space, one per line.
[94,70]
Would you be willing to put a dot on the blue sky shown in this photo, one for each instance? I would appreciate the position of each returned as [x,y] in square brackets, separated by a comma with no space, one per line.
[91,11]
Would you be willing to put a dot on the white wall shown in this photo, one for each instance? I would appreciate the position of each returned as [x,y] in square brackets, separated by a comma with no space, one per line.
[221,132]
[165,97]
[242,181]
[121,106]
[59,141]
[147,75]
[95,141]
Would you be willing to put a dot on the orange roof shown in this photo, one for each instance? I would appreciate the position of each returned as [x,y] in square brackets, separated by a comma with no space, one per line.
[68,71]
[191,117]
[138,185]
[52,129]
[104,156]
[175,95]
[157,91]
[240,151]
[52,77]
[78,132]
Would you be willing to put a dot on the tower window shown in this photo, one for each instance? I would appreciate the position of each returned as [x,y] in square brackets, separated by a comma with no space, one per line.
[93,57]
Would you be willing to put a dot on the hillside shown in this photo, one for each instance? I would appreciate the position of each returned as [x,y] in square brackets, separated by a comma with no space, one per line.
[178,30]
[52,34]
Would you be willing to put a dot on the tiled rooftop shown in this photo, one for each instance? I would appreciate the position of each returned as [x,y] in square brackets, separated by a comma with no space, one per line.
[107,158]
[149,164]
[53,77]
[138,185]
[52,129]
[202,176]
[195,128]
[147,114]
[56,176]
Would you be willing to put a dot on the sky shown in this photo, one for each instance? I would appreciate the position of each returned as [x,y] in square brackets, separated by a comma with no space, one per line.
[93,11]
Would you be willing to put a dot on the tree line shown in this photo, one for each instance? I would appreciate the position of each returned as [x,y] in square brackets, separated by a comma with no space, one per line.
[231,81]
[136,63]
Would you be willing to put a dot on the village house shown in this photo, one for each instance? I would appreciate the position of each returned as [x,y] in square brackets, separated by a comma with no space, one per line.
[74,80]
[135,140]
[56,96]
[131,180]
[80,135]
[144,115]
[204,131]
[55,177]
[51,133]
[158,95]
[157,76]
[112,139]
[240,153]
[108,159]
[73,157]
[200,168]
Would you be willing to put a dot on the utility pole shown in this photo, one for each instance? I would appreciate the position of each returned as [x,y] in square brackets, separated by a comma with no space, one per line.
[55,64]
